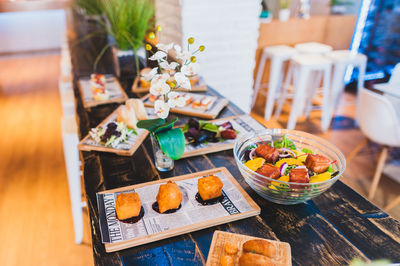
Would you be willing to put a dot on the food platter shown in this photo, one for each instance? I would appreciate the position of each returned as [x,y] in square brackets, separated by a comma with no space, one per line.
[214,105]
[124,149]
[235,204]
[220,239]
[116,93]
[243,125]
[200,86]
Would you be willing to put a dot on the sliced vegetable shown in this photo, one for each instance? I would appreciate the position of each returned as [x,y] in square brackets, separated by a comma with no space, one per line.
[284,178]
[289,161]
[283,168]
[253,165]
[305,150]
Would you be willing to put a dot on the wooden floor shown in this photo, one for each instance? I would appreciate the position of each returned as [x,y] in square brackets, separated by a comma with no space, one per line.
[36,223]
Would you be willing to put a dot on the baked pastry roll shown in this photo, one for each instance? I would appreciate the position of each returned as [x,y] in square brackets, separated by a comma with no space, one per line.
[253,259]
[261,247]
[169,197]
[128,116]
[138,106]
[128,205]
[209,187]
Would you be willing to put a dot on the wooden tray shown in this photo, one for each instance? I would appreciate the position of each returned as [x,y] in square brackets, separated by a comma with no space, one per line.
[220,238]
[222,172]
[245,124]
[200,86]
[86,144]
[211,113]
[117,94]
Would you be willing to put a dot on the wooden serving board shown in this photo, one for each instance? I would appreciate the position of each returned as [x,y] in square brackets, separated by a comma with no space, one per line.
[117,94]
[220,238]
[192,216]
[200,86]
[244,124]
[124,149]
[212,112]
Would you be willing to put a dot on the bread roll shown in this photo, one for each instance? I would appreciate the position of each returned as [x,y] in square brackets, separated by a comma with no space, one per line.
[169,197]
[261,247]
[128,116]
[253,259]
[128,205]
[138,106]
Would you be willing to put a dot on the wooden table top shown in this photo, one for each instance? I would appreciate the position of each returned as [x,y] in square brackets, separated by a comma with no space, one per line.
[332,229]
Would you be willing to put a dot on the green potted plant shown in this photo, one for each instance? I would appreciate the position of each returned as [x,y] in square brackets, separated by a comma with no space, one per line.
[284,12]
[340,7]
[127,23]
[89,8]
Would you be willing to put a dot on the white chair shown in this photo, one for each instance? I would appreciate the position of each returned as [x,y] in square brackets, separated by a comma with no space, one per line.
[305,69]
[393,82]
[72,165]
[278,55]
[379,122]
[341,59]
[313,48]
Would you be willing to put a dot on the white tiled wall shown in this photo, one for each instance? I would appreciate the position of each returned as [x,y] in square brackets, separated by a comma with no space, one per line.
[228,29]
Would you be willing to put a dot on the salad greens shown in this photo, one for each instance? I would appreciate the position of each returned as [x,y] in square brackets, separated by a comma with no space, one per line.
[285,143]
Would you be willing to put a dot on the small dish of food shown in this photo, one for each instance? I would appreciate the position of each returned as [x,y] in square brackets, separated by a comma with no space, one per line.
[288,166]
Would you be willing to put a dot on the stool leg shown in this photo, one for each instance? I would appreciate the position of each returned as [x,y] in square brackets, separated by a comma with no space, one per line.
[378,172]
[337,87]
[257,84]
[312,89]
[392,204]
[283,94]
[276,68]
[326,98]
[299,97]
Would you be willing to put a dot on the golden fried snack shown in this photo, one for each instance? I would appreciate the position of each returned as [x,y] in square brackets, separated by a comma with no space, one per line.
[128,205]
[253,259]
[169,197]
[227,260]
[209,187]
[269,170]
[317,163]
[261,247]
[231,248]
[270,154]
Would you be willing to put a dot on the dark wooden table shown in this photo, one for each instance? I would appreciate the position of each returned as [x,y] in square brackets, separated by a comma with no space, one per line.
[332,229]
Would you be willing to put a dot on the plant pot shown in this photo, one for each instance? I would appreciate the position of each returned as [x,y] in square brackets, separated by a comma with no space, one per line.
[125,61]
[162,162]
[284,14]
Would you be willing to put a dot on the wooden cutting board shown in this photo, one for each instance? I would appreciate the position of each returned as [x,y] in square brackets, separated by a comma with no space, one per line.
[220,239]
[200,86]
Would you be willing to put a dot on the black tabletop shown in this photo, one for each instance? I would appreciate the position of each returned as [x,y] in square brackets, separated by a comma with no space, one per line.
[331,229]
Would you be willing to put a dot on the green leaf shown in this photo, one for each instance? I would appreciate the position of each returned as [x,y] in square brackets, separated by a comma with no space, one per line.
[330,169]
[172,143]
[211,127]
[166,126]
[307,151]
[185,128]
[151,124]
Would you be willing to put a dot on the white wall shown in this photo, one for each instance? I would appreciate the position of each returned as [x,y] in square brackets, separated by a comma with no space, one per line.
[228,29]
[30,31]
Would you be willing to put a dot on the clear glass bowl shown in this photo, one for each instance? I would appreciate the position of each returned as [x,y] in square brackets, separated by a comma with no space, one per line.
[282,192]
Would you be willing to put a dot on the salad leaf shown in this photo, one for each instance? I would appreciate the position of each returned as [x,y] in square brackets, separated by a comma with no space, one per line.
[330,169]
[307,151]
[210,127]
[284,143]
[185,128]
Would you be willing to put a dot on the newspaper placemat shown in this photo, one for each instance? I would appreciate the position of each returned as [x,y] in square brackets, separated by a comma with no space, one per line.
[117,94]
[126,148]
[235,205]
[200,86]
[282,257]
[243,124]
[211,111]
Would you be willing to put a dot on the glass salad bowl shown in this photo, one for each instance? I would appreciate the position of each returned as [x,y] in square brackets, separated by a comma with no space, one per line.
[282,192]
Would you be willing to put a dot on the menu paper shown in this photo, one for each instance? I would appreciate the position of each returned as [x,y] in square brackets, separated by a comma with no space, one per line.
[191,211]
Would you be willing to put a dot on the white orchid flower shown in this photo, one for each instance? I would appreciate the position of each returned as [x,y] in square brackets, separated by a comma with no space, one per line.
[148,76]
[159,55]
[168,67]
[178,48]
[161,108]
[180,54]
[160,78]
[159,88]
[190,70]
[176,100]
[182,81]
[164,47]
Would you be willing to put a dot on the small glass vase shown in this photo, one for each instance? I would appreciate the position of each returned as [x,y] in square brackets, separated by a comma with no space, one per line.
[163,162]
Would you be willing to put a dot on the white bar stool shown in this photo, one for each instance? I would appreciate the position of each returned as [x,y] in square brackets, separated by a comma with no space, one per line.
[341,59]
[301,73]
[278,55]
[313,48]
[72,164]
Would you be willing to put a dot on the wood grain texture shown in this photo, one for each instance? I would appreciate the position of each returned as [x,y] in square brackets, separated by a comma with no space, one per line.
[326,232]
[201,86]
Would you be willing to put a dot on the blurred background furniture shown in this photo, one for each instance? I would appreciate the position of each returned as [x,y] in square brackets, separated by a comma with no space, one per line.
[313,48]
[393,85]
[278,55]
[380,123]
